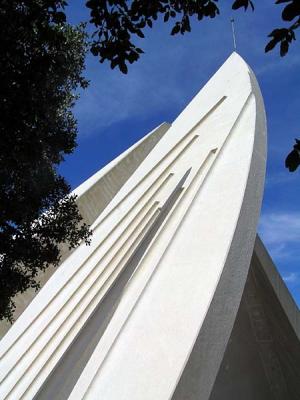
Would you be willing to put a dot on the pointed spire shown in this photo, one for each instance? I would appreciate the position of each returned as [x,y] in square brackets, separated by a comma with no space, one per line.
[233,33]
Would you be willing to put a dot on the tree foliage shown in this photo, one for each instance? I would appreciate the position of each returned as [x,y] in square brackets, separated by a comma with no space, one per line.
[285,36]
[41,64]
[118,22]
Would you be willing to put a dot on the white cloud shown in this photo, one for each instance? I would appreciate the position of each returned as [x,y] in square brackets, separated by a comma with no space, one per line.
[280,178]
[165,78]
[146,90]
[280,228]
[280,64]
[292,277]
[281,234]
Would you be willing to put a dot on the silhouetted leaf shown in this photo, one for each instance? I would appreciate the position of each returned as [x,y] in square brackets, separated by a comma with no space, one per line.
[118,22]
[140,33]
[279,34]
[291,11]
[113,63]
[292,161]
[176,29]
[240,3]
[59,17]
[284,48]
[272,43]
[123,67]
[92,3]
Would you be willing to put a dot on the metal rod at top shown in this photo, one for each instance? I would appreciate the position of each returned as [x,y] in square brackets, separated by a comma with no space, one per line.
[233,33]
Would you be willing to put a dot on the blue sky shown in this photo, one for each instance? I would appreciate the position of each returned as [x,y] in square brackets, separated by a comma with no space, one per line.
[116,110]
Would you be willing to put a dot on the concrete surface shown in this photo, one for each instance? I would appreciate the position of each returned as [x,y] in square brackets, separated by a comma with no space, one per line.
[93,196]
[262,358]
[156,307]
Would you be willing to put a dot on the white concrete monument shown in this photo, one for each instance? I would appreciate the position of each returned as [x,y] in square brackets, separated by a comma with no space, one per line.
[176,298]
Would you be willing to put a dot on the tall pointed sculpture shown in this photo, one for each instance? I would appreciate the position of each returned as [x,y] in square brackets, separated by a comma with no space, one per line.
[154,307]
